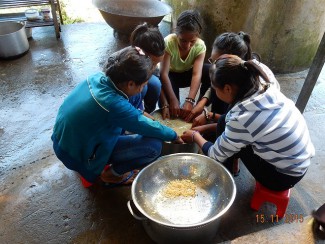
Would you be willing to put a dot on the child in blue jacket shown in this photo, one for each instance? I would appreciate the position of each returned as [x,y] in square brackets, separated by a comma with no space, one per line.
[87,133]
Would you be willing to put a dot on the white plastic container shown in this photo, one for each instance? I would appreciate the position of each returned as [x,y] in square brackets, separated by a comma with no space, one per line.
[32,14]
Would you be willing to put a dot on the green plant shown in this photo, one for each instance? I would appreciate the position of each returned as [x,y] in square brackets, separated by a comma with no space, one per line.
[66,18]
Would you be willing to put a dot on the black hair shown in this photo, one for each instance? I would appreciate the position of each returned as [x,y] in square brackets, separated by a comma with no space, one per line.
[189,20]
[149,39]
[232,70]
[129,64]
[235,43]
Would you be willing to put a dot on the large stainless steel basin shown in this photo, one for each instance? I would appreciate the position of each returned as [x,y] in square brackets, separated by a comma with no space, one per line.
[182,219]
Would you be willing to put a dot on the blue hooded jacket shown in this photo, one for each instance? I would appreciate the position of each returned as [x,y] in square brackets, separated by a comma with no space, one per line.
[91,119]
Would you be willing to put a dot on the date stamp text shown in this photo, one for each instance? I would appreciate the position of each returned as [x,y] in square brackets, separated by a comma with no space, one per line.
[274,218]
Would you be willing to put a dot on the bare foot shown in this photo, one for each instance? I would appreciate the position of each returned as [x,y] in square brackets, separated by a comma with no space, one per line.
[125,179]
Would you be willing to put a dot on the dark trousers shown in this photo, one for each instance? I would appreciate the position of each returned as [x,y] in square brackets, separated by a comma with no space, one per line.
[263,172]
[182,80]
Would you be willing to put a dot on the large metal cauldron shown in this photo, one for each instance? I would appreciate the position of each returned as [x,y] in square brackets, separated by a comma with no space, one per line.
[182,219]
[124,15]
[13,39]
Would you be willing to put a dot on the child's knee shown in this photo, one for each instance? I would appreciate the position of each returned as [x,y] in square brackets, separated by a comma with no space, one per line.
[155,148]
[154,85]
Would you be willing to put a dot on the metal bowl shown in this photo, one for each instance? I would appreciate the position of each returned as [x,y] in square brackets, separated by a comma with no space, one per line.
[215,190]
[124,15]
[182,219]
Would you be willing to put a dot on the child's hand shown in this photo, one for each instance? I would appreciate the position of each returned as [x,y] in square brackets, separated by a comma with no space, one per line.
[174,109]
[165,113]
[186,112]
[148,115]
[201,129]
[187,136]
[178,140]
[199,120]
[196,111]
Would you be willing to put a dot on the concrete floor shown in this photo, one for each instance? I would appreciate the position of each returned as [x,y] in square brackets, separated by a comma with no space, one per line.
[43,202]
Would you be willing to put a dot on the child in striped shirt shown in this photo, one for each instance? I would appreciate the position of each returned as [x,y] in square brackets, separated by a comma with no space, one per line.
[263,127]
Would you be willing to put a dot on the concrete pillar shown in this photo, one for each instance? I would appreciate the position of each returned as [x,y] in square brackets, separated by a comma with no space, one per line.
[286,33]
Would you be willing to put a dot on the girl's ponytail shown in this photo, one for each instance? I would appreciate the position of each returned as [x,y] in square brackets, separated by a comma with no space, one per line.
[138,31]
[247,40]
[149,39]
[128,64]
[256,71]
[232,70]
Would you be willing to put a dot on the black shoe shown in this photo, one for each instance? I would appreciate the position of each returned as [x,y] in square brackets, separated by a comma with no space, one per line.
[319,222]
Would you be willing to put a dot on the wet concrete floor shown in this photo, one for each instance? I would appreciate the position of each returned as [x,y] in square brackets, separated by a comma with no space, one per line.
[43,202]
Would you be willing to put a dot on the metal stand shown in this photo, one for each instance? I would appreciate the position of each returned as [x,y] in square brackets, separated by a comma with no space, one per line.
[312,76]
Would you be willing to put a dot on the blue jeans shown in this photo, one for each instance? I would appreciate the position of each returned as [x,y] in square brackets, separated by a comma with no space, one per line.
[150,95]
[134,152]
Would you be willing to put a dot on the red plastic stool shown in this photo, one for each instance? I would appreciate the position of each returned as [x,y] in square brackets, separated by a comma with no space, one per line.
[85,183]
[279,198]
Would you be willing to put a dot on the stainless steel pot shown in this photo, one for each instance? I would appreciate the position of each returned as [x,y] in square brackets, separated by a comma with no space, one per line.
[13,39]
[182,220]
[165,234]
